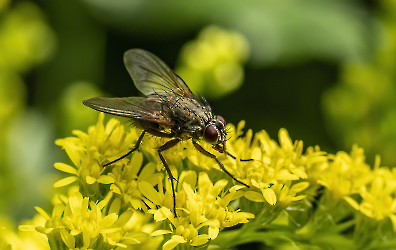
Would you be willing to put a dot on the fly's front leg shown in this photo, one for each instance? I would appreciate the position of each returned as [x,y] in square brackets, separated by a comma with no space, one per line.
[164,147]
[221,150]
[203,151]
[233,157]
[130,152]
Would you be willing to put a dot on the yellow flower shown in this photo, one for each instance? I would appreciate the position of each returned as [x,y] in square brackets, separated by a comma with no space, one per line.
[345,174]
[84,224]
[126,180]
[275,175]
[378,198]
[100,212]
[202,207]
[22,240]
[89,152]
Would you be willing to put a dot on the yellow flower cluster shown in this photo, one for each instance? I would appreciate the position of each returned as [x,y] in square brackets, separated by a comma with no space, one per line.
[21,240]
[84,224]
[206,201]
[89,152]
[346,175]
[277,173]
[201,207]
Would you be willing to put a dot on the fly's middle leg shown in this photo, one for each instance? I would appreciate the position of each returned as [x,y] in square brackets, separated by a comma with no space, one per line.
[164,147]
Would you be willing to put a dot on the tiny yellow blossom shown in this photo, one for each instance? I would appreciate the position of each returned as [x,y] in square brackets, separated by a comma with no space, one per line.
[346,174]
[131,203]
[21,240]
[202,207]
[89,152]
[126,180]
[86,225]
[276,174]
[378,198]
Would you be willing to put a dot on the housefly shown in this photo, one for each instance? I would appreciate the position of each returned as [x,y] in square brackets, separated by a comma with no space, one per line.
[169,110]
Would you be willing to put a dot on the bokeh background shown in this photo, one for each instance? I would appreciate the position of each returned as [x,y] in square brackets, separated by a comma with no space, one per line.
[324,70]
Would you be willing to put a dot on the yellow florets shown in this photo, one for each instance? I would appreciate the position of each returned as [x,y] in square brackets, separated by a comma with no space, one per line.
[203,210]
[104,212]
[84,224]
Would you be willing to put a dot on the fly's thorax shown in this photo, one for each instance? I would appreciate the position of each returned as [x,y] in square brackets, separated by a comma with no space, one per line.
[190,116]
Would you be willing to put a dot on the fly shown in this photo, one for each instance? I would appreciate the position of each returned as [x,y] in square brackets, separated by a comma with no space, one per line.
[169,110]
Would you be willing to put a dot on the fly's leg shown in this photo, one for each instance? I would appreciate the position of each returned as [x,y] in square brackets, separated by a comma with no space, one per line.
[203,151]
[151,131]
[164,147]
[130,152]
[233,157]
[221,150]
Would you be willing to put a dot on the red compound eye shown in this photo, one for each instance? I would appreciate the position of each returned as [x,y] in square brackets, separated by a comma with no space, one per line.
[220,118]
[210,134]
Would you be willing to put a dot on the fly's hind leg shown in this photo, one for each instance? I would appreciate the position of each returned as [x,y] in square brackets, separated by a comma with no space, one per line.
[164,147]
[130,152]
[203,151]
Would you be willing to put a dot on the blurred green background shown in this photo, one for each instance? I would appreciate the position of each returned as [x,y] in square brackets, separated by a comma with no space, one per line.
[324,70]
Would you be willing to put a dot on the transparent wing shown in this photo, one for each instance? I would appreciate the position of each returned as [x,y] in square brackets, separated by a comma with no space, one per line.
[142,108]
[152,76]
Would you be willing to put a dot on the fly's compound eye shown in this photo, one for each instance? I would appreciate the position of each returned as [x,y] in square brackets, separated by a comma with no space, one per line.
[210,134]
[220,118]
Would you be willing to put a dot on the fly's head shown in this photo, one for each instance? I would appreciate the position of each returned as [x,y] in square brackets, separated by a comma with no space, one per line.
[215,133]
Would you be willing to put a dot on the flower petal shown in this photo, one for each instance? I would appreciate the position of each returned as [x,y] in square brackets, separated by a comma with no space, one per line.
[115,206]
[90,180]
[67,238]
[66,181]
[109,220]
[28,228]
[213,232]
[105,179]
[269,195]
[160,232]
[254,196]
[43,213]
[284,140]
[200,240]
[299,186]
[352,202]
[149,191]
[173,242]
[65,168]
[178,238]
[115,189]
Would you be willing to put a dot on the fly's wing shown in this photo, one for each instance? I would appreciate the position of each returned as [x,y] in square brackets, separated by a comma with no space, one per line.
[152,76]
[141,108]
